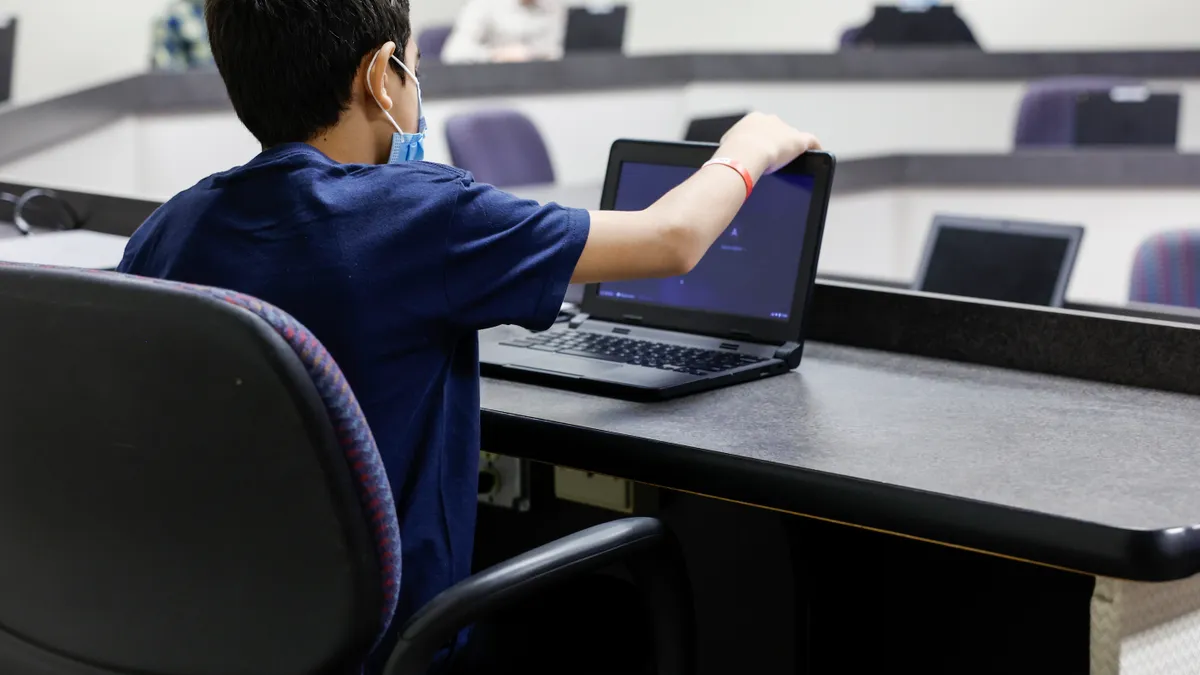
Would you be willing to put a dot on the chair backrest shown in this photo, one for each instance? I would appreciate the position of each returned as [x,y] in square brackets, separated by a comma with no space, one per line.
[849,37]
[501,147]
[432,41]
[1166,270]
[1047,114]
[187,486]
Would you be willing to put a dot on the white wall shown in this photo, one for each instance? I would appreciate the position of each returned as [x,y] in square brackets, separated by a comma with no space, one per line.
[1001,25]
[67,45]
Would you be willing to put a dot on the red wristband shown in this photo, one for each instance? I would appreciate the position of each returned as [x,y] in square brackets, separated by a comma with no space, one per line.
[736,166]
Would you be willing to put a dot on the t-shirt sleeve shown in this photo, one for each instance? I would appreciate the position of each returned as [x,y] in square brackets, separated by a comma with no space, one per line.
[510,260]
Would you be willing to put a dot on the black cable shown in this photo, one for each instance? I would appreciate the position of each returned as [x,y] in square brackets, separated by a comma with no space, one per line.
[41,193]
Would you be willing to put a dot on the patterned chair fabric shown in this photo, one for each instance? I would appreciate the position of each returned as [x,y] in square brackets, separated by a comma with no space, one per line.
[1166,270]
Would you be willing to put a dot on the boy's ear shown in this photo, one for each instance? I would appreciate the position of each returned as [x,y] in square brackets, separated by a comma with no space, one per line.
[376,73]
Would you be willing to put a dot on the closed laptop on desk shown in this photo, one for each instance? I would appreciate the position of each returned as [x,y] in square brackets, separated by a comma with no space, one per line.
[738,316]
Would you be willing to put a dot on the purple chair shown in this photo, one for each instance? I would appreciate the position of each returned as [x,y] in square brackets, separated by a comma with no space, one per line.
[432,41]
[188,485]
[500,147]
[1047,114]
[849,38]
[1166,270]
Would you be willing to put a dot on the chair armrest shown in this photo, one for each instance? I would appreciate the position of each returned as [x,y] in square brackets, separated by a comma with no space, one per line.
[633,539]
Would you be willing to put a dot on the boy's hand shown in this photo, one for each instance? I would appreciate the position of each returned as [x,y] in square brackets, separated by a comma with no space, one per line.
[765,143]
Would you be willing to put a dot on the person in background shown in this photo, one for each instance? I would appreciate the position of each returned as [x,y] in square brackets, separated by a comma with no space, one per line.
[181,38]
[507,31]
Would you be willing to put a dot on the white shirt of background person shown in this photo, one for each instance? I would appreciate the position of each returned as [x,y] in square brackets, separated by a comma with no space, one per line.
[507,31]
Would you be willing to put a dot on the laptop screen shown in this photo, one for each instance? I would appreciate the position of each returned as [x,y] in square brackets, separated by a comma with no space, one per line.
[993,264]
[752,269]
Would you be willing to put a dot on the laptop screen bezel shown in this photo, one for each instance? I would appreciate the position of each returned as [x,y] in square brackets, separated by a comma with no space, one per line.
[1072,233]
[818,165]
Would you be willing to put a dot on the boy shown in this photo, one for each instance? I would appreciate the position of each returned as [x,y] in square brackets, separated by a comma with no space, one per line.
[395,264]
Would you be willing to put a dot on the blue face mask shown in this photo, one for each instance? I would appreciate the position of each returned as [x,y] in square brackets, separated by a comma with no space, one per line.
[405,147]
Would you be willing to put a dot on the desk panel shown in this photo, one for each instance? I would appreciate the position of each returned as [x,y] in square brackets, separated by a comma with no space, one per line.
[1080,475]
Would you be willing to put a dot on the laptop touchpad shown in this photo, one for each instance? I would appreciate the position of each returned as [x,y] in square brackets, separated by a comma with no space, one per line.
[568,365]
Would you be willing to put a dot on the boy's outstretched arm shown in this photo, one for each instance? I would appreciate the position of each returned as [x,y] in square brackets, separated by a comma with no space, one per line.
[670,237]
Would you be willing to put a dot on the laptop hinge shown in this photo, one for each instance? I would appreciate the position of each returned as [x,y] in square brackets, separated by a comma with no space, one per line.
[578,320]
[741,336]
[790,353]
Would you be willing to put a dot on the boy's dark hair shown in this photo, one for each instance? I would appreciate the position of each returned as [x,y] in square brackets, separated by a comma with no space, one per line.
[289,64]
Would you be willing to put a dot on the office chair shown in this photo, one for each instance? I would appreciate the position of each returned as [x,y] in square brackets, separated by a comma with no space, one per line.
[1047,115]
[1166,270]
[432,41]
[849,37]
[500,147]
[189,487]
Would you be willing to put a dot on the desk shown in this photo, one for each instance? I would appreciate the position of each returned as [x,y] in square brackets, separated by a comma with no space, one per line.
[1099,479]
[1044,469]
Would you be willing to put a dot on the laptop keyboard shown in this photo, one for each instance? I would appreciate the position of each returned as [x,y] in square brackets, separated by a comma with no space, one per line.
[634,352]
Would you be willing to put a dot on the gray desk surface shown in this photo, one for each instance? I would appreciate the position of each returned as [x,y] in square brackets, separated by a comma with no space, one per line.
[1033,466]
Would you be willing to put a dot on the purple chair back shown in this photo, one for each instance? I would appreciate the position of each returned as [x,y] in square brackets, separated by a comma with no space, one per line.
[432,41]
[1166,270]
[849,37]
[1047,115]
[500,147]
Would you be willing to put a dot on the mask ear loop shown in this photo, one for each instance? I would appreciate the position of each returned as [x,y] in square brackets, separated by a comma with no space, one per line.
[371,90]
[420,98]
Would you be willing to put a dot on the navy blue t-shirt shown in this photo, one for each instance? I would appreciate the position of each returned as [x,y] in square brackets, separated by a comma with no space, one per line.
[394,269]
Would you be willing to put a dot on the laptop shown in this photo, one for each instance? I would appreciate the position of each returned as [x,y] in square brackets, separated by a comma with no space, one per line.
[893,26]
[711,129]
[1006,260]
[8,48]
[737,317]
[596,30]
[1127,116]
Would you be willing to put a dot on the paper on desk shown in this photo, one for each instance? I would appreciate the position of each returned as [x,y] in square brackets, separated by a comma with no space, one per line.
[76,248]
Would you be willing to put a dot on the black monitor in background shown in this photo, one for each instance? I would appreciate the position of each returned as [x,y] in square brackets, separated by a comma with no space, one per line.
[1010,261]
[8,50]
[897,27]
[1114,119]
[594,30]
[711,129]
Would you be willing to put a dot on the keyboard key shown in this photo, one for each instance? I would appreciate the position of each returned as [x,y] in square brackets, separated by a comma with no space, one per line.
[637,352]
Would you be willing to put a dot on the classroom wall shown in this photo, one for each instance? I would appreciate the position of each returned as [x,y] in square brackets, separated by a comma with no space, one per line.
[67,45]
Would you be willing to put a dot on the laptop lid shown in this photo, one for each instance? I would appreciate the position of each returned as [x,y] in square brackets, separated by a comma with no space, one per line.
[592,29]
[894,26]
[754,285]
[8,46]
[1127,116]
[1006,260]
[711,129]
